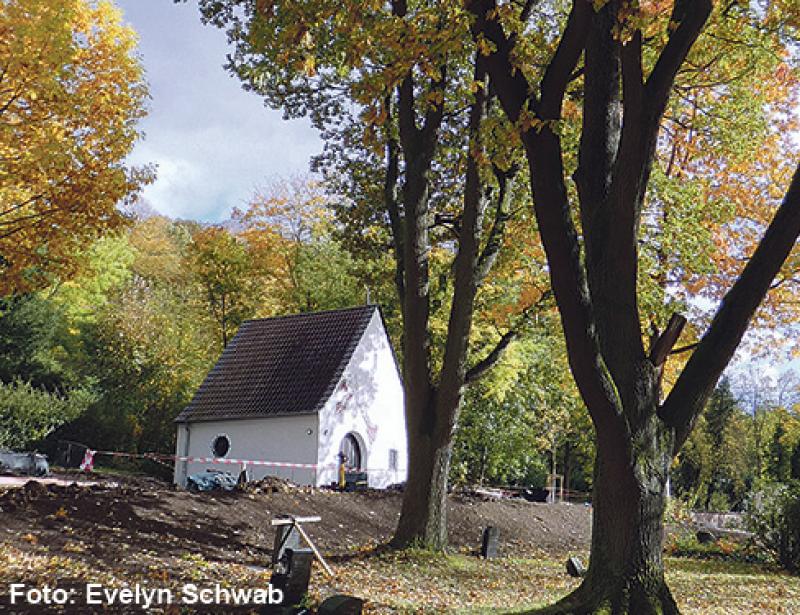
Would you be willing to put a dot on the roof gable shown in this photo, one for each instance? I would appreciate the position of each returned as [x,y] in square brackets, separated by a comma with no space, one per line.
[279,366]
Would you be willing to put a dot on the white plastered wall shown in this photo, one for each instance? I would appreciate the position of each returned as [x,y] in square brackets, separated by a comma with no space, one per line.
[290,439]
[367,401]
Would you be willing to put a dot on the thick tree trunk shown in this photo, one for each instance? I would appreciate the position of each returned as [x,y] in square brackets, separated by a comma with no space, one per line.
[594,280]
[432,410]
[423,517]
[626,570]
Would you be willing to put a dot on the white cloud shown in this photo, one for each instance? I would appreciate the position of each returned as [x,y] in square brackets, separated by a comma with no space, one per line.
[212,141]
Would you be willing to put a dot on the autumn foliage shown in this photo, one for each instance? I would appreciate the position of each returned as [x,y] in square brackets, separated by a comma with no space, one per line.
[71,91]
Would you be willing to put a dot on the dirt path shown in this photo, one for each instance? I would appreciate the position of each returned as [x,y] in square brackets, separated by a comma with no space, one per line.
[6,482]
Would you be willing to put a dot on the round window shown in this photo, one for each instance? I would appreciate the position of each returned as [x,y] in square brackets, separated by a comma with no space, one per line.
[221,445]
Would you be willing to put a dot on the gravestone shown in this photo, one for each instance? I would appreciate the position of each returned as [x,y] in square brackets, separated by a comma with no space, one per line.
[575,567]
[705,536]
[295,576]
[491,538]
[341,605]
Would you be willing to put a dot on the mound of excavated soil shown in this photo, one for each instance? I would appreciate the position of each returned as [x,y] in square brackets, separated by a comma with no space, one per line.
[111,521]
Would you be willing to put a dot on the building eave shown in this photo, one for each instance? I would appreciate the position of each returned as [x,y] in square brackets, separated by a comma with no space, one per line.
[235,417]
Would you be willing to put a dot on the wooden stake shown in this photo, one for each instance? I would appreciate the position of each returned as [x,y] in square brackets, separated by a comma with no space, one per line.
[314,549]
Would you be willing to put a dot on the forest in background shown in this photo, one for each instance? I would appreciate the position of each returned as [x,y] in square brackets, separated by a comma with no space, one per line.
[111,356]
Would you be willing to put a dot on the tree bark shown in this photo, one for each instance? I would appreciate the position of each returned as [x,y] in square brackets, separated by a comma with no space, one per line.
[423,514]
[626,571]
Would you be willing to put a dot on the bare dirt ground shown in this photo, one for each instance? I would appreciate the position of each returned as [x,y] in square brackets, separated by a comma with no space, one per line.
[135,529]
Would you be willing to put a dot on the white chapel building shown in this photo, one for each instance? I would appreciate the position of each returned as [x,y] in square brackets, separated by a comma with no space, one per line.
[301,389]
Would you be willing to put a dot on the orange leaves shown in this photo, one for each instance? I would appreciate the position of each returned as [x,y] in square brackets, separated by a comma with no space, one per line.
[727,151]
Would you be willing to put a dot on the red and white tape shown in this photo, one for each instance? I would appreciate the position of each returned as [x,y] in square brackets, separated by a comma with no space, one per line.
[88,461]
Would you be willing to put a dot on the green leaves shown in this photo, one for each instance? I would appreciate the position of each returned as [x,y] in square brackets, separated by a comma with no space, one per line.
[222,266]
[28,414]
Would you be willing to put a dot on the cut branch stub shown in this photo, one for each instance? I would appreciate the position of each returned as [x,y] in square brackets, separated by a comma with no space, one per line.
[667,340]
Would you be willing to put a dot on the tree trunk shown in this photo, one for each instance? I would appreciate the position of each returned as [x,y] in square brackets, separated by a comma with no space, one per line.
[423,516]
[432,410]
[626,570]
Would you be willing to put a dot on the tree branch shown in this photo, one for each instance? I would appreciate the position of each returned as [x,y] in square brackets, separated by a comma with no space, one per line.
[683,349]
[691,17]
[559,72]
[494,238]
[483,366]
[607,207]
[511,85]
[601,119]
[556,227]
[465,285]
[486,363]
[664,343]
[715,349]
[390,199]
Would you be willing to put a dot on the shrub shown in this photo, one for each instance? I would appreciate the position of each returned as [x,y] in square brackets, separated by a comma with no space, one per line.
[678,513]
[28,414]
[773,515]
[685,544]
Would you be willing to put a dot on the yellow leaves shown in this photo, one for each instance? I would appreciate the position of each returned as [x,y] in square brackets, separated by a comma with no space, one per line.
[309,66]
[375,115]
[474,86]
[435,98]
[67,121]
[159,574]
[420,582]
[485,47]
[61,513]
[74,547]
[264,7]
[30,538]
[528,120]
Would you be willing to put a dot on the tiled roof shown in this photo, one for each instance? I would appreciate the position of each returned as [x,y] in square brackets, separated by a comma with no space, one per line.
[278,366]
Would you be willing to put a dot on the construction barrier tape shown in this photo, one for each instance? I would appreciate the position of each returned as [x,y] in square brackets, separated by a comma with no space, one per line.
[90,454]
[88,460]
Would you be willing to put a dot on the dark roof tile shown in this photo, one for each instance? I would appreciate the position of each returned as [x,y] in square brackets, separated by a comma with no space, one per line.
[277,366]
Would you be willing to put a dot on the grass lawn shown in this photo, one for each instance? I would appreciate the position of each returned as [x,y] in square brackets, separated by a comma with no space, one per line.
[418,582]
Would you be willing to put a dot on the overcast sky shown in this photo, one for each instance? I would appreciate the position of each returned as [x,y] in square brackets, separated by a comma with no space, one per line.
[213,142]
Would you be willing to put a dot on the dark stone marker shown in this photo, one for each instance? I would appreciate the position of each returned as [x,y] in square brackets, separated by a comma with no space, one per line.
[575,567]
[491,537]
[286,537]
[271,609]
[341,605]
[705,537]
[294,582]
[536,495]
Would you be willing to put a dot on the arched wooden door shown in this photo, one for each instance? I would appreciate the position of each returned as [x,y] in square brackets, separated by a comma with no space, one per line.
[351,450]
